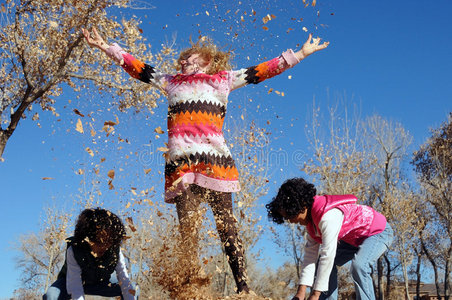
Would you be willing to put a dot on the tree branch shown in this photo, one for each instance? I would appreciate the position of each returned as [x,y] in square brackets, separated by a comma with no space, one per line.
[100,81]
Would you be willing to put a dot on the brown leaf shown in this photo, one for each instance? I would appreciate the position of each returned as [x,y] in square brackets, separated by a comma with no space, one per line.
[159,130]
[110,123]
[111,174]
[90,152]
[77,112]
[47,178]
[79,126]
[129,221]
[146,171]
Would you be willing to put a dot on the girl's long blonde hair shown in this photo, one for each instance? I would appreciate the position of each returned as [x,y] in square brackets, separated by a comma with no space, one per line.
[219,60]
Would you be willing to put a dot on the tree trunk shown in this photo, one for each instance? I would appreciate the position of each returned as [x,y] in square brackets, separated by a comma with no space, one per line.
[418,275]
[435,268]
[447,276]
[3,139]
[380,278]
[388,276]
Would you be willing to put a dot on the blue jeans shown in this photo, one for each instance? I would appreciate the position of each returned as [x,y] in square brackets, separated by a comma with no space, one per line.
[363,258]
[57,291]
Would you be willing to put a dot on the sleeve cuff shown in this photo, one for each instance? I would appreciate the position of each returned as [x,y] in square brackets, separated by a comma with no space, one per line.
[290,58]
[115,52]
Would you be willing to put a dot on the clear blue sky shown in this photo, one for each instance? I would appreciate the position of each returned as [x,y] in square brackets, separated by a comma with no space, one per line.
[391,58]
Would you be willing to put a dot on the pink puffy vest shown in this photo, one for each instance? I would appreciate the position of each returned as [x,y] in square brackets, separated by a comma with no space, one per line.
[360,221]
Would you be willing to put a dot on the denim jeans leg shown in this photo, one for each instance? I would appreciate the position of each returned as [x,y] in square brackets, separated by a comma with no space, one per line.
[344,253]
[57,291]
[369,251]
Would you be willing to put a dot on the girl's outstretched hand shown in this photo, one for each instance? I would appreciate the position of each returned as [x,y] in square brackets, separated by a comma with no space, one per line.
[95,41]
[311,46]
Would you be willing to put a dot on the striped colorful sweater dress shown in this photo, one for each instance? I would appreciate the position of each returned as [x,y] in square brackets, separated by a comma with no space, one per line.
[198,153]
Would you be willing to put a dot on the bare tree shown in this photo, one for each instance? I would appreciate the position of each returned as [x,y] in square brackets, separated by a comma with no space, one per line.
[41,254]
[42,51]
[433,165]
[392,193]
[365,158]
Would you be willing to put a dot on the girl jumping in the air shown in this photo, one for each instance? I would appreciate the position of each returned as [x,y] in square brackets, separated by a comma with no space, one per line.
[199,165]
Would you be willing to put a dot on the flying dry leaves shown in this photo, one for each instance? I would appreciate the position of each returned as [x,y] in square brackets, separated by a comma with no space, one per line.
[90,152]
[159,130]
[79,126]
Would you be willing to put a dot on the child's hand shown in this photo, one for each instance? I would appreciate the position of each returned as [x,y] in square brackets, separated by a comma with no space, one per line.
[97,41]
[311,46]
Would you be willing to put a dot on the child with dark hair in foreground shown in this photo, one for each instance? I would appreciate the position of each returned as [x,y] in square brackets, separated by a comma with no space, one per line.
[339,230]
[93,255]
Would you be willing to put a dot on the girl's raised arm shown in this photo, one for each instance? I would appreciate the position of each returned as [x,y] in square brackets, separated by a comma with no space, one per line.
[271,68]
[137,69]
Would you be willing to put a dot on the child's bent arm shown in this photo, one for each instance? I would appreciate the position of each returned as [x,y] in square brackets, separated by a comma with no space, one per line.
[74,283]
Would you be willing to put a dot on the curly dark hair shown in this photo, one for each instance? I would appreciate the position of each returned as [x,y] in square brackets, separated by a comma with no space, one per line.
[93,221]
[294,196]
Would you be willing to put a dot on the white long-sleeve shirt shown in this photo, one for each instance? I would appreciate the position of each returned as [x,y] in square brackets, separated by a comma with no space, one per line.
[74,283]
[329,227]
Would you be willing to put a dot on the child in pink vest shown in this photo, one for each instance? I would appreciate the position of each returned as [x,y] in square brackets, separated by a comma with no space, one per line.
[339,230]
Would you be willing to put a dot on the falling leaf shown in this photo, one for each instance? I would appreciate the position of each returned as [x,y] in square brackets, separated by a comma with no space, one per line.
[77,112]
[242,117]
[127,205]
[163,149]
[314,2]
[110,185]
[270,90]
[90,152]
[146,171]
[207,13]
[265,28]
[111,174]
[47,178]
[79,126]
[80,172]
[110,123]
[159,130]
[268,18]
[3,7]
[129,221]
